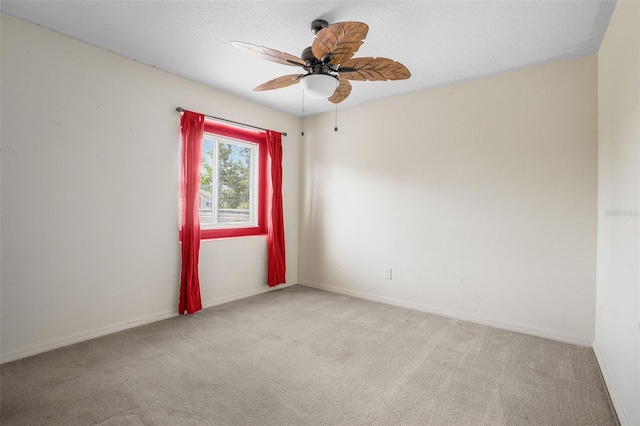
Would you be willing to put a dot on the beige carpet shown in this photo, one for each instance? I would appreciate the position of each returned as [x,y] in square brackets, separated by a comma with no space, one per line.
[301,356]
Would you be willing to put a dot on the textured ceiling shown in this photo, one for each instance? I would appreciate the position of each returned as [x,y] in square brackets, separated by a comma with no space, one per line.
[439,41]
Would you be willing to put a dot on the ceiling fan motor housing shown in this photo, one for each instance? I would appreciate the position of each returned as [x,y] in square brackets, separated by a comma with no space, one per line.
[315,65]
[307,55]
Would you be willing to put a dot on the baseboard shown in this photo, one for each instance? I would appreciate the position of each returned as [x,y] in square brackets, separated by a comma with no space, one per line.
[613,394]
[450,314]
[243,295]
[81,337]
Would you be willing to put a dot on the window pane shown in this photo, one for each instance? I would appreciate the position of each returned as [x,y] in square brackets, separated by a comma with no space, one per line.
[228,197]
[206,182]
[234,183]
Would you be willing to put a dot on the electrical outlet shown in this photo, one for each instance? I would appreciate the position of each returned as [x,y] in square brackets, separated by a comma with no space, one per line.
[387,273]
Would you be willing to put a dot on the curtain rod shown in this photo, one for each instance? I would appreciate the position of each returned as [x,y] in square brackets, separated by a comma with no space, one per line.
[180,109]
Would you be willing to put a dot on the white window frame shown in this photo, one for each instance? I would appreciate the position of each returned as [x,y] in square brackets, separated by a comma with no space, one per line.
[217,140]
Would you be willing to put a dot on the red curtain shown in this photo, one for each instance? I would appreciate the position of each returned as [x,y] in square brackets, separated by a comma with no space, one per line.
[277,268]
[192,131]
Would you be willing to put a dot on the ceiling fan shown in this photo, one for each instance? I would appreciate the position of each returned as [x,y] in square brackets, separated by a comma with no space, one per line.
[329,62]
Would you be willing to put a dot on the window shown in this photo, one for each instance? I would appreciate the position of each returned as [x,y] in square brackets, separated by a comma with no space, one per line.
[232,196]
[228,182]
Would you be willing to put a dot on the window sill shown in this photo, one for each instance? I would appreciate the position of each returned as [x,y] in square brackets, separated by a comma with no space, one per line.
[212,234]
[217,234]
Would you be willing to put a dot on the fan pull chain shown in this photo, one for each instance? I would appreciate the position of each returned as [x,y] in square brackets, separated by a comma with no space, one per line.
[302,133]
[335,129]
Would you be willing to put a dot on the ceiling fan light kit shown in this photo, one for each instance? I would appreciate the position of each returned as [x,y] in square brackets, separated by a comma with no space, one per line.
[319,86]
[329,62]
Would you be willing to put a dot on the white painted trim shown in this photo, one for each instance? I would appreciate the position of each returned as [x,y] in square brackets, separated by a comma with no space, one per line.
[243,295]
[613,394]
[81,337]
[451,314]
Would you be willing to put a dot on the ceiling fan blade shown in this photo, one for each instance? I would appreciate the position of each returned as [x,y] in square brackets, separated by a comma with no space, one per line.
[373,69]
[280,82]
[268,54]
[342,91]
[342,40]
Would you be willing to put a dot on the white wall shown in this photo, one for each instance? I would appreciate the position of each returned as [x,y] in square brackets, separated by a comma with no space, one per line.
[480,195]
[89,193]
[617,332]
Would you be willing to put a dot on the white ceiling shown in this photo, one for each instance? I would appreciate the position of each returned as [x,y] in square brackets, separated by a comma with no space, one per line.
[439,41]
